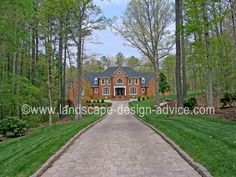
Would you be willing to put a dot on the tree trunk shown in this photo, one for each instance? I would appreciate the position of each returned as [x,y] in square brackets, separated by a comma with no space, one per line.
[49,75]
[209,90]
[33,56]
[178,55]
[233,14]
[183,51]
[79,78]
[36,57]
[60,73]
[157,78]
[64,72]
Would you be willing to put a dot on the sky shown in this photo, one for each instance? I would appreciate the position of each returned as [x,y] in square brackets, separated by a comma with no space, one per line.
[106,42]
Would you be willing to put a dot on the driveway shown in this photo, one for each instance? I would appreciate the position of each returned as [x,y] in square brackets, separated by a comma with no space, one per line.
[121,146]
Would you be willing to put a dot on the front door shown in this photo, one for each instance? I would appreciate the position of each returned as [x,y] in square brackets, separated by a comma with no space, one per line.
[120,91]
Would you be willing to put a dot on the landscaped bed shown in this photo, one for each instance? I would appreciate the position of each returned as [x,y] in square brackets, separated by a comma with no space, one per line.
[23,156]
[209,141]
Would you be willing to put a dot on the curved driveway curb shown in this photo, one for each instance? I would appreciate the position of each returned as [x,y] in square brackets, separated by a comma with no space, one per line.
[198,167]
[63,149]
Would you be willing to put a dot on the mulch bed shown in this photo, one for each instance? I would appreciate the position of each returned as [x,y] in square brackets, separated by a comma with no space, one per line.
[223,113]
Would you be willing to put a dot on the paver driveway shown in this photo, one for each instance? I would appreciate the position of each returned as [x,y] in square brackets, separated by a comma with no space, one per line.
[120,145]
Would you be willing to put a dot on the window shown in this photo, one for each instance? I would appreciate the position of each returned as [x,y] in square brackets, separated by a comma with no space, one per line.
[82,88]
[108,81]
[106,91]
[119,81]
[143,80]
[130,81]
[133,91]
[143,90]
[103,81]
[96,81]
[96,90]
[136,81]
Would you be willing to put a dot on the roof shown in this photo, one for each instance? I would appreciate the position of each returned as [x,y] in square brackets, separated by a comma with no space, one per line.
[108,73]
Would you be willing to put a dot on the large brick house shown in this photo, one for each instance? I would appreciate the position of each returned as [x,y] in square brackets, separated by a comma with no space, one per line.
[115,83]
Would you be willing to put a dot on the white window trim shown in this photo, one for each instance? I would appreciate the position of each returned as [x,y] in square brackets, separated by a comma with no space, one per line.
[103,81]
[108,81]
[95,90]
[82,91]
[130,91]
[106,94]
[119,80]
[136,83]
[130,83]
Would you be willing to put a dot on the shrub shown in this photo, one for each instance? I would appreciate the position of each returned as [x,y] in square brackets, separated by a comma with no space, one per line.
[102,101]
[139,99]
[190,103]
[227,99]
[12,127]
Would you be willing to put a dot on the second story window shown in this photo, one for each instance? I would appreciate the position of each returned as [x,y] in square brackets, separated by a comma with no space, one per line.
[130,81]
[109,81]
[136,81]
[119,81]
[103,81]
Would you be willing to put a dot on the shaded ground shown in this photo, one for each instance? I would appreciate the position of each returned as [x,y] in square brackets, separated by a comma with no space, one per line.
[224,113]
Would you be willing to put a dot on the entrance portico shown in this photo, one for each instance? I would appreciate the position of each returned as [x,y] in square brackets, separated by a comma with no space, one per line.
[120,91]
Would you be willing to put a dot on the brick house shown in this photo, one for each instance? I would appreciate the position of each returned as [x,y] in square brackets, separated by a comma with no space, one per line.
[115,83]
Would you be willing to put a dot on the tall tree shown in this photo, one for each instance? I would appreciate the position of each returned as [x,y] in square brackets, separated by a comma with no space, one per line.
[120,59]
[178,54]
[85,18]
[145,27]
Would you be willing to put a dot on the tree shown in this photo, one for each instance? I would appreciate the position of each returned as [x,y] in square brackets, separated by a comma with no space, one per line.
[145,27]
[85,18]
[106,62]
[133,62]
[164,85]
[179,91]
[120,59]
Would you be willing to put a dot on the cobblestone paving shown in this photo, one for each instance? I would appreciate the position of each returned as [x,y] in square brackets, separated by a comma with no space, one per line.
[120,146]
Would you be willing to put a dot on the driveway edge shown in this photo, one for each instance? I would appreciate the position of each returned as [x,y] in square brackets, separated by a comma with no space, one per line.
[196,166]
[63,149]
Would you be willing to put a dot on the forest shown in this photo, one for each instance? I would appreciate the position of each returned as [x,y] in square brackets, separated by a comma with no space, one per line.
[189,46]
[41,49]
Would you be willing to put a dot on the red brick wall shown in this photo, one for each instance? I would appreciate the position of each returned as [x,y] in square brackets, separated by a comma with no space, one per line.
[151,90]
[119,74]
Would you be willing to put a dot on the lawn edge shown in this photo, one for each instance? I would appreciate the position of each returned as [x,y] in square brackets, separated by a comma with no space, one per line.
[196,166]
[63,149]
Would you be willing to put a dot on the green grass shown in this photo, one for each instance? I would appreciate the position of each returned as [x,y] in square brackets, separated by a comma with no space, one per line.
[209,141]
[22,156]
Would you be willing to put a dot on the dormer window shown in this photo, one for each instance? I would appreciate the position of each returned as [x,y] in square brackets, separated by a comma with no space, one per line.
[143,80]
[96,81]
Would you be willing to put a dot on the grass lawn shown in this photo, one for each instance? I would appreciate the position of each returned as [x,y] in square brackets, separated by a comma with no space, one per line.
[209,141]
[22,156]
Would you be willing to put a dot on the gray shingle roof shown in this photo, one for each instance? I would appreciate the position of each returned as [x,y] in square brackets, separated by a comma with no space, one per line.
[108,73]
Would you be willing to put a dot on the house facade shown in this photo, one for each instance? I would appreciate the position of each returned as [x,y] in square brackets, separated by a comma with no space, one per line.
[115,83]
